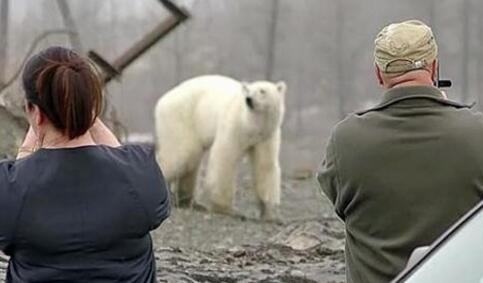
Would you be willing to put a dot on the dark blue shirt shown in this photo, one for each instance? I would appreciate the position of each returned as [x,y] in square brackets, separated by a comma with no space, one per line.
[82,214]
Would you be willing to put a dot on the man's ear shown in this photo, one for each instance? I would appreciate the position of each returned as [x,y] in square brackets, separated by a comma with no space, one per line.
[378,75]
[434,71]
[281,87]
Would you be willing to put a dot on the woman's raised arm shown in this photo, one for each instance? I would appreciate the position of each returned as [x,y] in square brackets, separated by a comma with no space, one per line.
[101,134]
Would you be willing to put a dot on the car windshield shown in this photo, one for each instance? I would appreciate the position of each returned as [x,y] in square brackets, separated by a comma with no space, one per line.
[459,259]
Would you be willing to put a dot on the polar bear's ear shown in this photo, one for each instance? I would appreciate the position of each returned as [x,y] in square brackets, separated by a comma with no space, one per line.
[281,86]
[245,89]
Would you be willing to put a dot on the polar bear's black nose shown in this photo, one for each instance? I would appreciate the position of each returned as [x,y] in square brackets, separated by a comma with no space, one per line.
[249,102]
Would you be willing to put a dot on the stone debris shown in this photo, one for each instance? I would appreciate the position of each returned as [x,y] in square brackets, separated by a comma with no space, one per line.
[268,263]
[275,261]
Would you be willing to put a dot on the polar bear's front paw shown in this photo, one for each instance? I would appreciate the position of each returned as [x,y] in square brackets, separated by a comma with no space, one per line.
[221,209]
[183,201]
[270,213]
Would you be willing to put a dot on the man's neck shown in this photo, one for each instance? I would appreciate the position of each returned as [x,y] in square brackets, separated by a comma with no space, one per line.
[415,78]
[411,83]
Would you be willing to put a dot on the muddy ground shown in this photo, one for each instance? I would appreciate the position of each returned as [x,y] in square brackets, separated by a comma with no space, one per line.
[194,246]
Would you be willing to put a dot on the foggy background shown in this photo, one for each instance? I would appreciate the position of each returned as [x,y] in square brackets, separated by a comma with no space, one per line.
[321,48]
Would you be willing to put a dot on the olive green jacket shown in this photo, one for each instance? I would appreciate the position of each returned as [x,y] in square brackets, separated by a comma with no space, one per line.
[399,174]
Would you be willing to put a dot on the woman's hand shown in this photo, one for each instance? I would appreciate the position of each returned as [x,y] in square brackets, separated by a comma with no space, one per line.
[101,134]
[29,144]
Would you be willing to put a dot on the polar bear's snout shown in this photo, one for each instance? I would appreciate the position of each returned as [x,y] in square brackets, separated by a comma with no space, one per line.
[263,96]
[249,102]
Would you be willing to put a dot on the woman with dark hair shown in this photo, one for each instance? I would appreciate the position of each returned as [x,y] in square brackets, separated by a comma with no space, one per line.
[76,205]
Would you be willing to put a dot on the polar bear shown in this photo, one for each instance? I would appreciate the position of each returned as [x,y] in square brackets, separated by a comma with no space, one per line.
[230,119]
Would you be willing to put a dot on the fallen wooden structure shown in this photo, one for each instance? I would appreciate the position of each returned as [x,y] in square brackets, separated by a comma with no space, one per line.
[114,69]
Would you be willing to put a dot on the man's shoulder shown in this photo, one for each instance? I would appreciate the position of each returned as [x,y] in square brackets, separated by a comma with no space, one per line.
[371,125]
[347,128]
[351,122]
[469,114]
[469,121]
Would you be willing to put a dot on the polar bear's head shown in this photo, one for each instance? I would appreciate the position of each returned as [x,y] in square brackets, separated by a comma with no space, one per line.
[261,96]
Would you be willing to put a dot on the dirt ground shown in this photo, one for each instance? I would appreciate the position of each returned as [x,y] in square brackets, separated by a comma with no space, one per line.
[307,247]
[195,246]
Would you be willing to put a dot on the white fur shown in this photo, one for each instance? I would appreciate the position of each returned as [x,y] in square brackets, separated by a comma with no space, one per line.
[211,112]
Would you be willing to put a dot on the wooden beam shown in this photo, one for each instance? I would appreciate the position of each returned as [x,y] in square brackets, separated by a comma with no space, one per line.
[111,70]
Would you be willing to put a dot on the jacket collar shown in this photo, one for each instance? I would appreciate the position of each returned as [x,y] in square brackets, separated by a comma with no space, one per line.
[410,92]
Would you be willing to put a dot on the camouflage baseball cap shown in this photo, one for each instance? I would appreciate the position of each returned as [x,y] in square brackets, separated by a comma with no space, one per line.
[403,47]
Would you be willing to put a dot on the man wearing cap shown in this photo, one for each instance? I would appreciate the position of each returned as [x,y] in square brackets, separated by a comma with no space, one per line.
[399,174]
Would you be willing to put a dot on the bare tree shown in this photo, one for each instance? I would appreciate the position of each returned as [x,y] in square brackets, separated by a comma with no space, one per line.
[31,49]
[339,29]
[272,32]
[178,50]
[11,126]
[3,40]
[70,25]
[466,50]
[479,59]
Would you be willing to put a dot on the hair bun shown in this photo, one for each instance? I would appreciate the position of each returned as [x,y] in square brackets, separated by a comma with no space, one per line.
[66,88]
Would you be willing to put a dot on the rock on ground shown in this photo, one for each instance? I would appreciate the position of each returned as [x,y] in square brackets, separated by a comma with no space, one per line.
[275,261]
